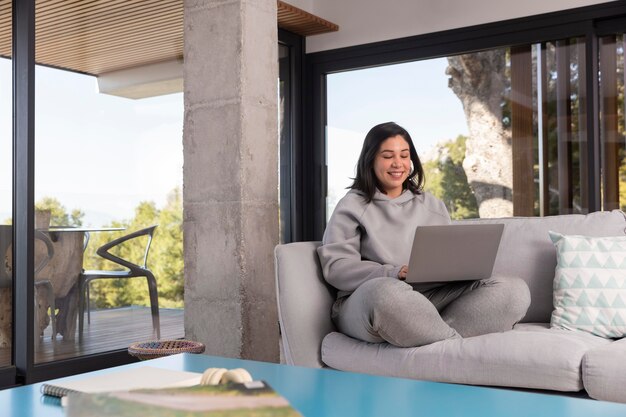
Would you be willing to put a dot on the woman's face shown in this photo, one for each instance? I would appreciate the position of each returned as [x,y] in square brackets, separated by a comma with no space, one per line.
[392,165]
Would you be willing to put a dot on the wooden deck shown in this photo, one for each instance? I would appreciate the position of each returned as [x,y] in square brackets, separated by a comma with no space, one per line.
[110,329]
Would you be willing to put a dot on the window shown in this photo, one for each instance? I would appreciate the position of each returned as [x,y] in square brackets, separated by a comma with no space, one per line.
[105,162]
[505,116]
[99,161]
[498,131]
[85,159]
[416,96]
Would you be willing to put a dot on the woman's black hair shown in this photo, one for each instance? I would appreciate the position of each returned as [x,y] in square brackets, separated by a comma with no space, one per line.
[365,180]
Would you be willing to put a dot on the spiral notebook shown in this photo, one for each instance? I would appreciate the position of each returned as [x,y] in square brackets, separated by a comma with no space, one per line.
[125,380]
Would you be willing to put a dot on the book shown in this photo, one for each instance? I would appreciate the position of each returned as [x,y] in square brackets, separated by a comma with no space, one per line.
[231,399]
[124,380]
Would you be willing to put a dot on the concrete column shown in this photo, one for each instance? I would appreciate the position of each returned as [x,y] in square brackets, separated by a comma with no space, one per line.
[231,176]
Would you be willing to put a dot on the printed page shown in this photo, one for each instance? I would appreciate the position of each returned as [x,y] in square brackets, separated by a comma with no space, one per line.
[255,398]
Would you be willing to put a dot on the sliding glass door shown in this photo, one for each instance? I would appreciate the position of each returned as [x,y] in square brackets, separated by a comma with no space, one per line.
[85,163]
[108,162]
[98,155]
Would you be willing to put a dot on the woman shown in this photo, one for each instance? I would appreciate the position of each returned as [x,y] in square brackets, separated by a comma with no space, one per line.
[366,247]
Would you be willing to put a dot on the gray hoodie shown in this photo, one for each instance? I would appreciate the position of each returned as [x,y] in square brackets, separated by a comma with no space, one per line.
[370,240]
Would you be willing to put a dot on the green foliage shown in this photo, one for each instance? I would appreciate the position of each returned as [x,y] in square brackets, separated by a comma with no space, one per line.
[58,212]
[165,258]
[446,179]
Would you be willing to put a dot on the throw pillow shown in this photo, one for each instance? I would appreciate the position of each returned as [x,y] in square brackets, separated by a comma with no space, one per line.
[590,284]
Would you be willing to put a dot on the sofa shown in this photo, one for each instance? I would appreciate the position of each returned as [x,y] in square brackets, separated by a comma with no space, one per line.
[532,355]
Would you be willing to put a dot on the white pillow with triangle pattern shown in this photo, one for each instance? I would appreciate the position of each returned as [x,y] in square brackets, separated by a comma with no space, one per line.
[590,284]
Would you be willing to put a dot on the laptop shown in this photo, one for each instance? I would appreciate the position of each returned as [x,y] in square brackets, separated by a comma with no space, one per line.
[456,252]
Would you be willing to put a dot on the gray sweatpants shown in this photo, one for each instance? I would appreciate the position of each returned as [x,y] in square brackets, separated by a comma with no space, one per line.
[390,310]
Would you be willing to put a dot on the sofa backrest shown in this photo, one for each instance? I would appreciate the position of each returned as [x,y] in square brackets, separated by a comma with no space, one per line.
[527,252]
[304,303]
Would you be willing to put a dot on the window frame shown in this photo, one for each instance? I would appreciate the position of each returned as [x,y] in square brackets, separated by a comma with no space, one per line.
[589,22]
[291,157]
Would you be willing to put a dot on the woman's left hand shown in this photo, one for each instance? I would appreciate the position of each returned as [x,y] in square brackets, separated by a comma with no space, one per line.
[402,273]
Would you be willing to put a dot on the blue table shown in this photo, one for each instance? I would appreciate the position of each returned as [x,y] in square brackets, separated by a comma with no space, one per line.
[328,393]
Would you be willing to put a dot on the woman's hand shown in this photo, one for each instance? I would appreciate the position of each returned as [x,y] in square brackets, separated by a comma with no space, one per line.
[403,272]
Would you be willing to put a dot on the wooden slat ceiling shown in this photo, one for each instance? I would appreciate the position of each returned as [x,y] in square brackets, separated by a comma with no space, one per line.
[303,23]
[99,36]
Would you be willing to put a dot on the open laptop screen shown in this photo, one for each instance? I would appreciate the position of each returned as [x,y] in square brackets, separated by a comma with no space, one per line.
[456,252]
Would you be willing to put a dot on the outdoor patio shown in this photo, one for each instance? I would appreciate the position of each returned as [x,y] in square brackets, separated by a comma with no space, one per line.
[110,329]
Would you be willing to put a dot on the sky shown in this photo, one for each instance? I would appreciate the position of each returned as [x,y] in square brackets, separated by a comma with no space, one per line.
[415,95]
[105,154]
[95,152]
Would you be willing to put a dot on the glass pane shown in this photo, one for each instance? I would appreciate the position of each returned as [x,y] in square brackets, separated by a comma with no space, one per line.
[562,131]
[613,154]
[500,132]
[106,166]
[416,96]
[6,184]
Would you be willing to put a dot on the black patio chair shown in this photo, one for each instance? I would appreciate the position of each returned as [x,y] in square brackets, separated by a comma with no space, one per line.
[132,271]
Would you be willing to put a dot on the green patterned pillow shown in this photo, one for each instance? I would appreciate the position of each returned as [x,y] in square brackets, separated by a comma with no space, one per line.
[590,284]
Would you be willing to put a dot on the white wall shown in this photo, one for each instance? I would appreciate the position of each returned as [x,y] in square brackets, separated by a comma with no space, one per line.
[365,21]
[306,5]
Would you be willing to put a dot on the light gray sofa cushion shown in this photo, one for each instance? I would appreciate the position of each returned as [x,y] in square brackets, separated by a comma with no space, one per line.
[531,356]
[527,252]
[604,372]
[304,302]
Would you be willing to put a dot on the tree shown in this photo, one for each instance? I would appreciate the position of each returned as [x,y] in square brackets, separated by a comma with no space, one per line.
[479,81]
[58,212]
[446,179]
[165,260]
[169,250]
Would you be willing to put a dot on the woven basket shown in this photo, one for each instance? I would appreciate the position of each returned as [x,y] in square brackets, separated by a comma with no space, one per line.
[159,348]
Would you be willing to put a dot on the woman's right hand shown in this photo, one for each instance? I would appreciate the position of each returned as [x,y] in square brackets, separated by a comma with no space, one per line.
[402,273]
